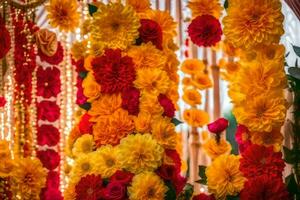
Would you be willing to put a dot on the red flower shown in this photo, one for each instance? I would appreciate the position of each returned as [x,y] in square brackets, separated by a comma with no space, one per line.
[49,158]
[80,98]
[205,30]
[203,196]
[167,104]
[85,126]
[218,126]
[2,101]
[47,135]
[48,82]
[79,64]
[53,180]
[242,136]
[114,191]
[130,100]
[56,58]
[150,31]
[264,188]
[173,154]
[122,177]
[113,72]
[4,40]
[89,188]
[51,194]
[258,160]
[179,183]
[167,172]
[48,110]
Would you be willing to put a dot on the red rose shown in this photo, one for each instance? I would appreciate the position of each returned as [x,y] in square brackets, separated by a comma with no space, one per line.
[122,177]
[48,110]
[264,188]
[49,158]
[167,104]
[47,135]
[114,191]
[167,172]
[48,82]
[205,30]
[114,72]
[203,197]
[150,31]
[56,58]
[2,101]
[242,137]
[130,100]
[4,40]
[85,126]
[218,126]
[53,180]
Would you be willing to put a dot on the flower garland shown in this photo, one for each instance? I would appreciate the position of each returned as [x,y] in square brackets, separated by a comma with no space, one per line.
[124,143]
[48,87]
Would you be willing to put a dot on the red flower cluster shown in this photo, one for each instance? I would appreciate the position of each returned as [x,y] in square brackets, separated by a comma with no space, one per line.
[150,31]
[205,30]
[56,58]
[264,188]
[49,158]
[242,137]
[218,126]
[47,135]
[167,104]
[259,160]
[89,187]
[4,39]
[48,110]
[48,82]
[113,72]
[130,100]
[85,126]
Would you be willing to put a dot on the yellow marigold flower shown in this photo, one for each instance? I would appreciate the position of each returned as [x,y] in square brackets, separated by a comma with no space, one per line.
[230,69]
[70,193]
[253,22]
[139,153]
[273,138]
[152,81]
[142,122]
[91,89]
[192,97]
[150,104]
[85,27]
[229,48]
[7,166]
[84,165]
[115,26]
[205,7]
[139,5]
[88,63]
[171,66]
[111,129]
[195,117]
[166,22]
[4,150]
[147,55]
[79,49]
[214,149]
[192,66]
[63,14]
[106,160]
[96,48]
[261,113]
[84,144]
[201,81]
[224,177]
[163,130]
[29,177]
[106,105]
[256,78]
[147,186]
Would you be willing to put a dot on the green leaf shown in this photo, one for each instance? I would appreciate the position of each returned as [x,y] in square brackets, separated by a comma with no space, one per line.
[291,184]
[175,121]
[294,72]
[297,50]
[226,4]
[83,74]
[289,155]
[187,192]
[92,9]
[232,198]
[85,106]
[202,175]
[171,193]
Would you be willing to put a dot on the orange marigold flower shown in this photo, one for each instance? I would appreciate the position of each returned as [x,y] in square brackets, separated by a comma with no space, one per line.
[192,66]
[111,129]
[205,7]
[195,117]
[88,63]
[139,5]
[192,97]
[91,89]
[273,138]
[150,104]
[201,81]
[142,122]
[187,81]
